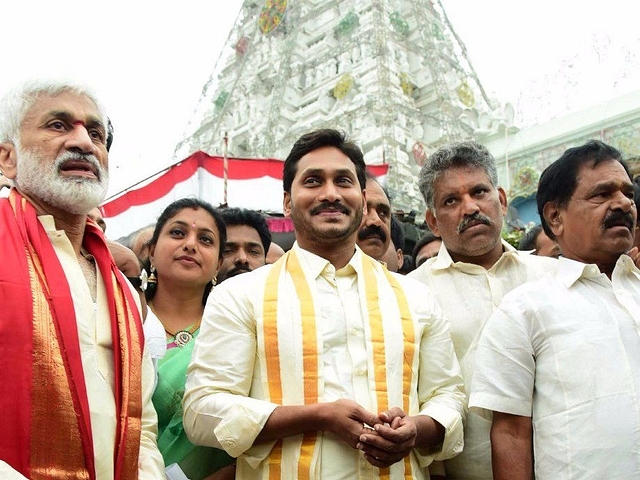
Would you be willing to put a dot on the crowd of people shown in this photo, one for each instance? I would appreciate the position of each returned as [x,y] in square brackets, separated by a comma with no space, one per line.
[197,348]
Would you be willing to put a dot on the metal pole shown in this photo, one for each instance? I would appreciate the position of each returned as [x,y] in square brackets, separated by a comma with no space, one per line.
[226,167]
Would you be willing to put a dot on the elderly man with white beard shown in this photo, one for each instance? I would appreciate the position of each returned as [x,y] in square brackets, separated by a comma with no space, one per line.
[76,390]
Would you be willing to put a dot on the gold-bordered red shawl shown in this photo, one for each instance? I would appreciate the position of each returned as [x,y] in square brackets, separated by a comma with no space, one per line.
[45,421]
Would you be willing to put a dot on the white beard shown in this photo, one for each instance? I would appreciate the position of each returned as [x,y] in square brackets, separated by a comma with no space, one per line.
[41,179]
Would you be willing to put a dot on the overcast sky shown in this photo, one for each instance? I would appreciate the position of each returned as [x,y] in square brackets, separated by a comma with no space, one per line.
[149,60]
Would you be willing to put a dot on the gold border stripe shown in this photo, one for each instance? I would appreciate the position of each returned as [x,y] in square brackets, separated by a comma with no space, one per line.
[408,334]
[309,357]
[272,357]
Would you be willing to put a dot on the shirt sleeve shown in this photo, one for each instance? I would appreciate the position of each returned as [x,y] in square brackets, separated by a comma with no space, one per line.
[504,371]
[440,385]
[218,409]
[151,464]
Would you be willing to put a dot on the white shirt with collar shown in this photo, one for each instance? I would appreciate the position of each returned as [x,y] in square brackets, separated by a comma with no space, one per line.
[225,402]
[565,350]
[468,294]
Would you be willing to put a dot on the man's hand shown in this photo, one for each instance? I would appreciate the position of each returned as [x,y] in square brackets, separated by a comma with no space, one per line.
[634,253]
[346,419]
[397,434]
[392,440]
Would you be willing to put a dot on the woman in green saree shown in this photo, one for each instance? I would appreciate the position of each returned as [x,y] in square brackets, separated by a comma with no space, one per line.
[185,254]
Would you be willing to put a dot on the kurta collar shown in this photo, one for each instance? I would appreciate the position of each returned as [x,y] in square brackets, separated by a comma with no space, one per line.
[316,265]
[570,271]
[443,260]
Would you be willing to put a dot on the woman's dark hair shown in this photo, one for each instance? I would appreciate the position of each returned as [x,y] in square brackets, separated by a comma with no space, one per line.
[169,213]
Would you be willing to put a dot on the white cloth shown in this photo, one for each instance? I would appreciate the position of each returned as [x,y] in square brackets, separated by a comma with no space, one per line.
[94,333]
[224,403]
[565,350]
[468,294]
[155,339]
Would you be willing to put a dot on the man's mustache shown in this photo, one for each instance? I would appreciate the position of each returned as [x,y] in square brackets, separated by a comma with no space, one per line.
[238,270]
[87,157]
[330,206]
[617,218]
[474,219]
[372,231]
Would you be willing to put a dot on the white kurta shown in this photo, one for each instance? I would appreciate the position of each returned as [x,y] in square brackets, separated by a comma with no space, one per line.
[468,294]
[96,346]
[226,402]
[565,350]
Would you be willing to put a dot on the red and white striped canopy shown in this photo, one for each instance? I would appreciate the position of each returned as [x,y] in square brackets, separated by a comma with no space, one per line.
[252,183]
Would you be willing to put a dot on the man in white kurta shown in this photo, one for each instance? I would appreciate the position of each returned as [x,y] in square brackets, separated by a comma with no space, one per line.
[94,334]
[82,407]
[572,336]
[559,361]
[330,338]
[473,270]
[96,341]
[468,294]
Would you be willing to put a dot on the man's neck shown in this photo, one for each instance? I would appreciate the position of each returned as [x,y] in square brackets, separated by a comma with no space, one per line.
[485,260]
[72,224]
[605,267]
[338,254]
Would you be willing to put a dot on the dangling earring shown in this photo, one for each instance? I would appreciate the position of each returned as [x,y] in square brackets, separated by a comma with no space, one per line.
[152,278]
[214,280]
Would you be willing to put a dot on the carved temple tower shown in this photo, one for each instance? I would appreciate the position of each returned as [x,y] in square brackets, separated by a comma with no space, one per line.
[391,73]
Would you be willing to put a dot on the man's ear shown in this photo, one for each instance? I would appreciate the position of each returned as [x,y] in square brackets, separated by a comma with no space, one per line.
[503,200]
[364,203]
[554,217]
[286,204]
[432,221]
[8,160]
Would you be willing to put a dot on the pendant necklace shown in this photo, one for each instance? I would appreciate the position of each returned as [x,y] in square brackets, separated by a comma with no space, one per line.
[182,337]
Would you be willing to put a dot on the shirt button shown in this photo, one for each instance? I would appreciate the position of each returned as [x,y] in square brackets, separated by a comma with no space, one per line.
[360,371]
[354,331]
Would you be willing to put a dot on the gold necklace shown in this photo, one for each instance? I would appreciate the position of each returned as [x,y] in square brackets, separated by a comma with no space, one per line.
[182,337]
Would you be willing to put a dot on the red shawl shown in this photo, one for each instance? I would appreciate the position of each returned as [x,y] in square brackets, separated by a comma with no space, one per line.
[45,421]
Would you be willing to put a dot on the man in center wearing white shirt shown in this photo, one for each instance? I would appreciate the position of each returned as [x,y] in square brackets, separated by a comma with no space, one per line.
[559,361]
[473,270]
[325,365]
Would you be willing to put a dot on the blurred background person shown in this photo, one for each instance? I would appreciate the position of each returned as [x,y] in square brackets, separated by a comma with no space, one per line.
[538,242]
[374,234]
[425,248]
[394,258]
[248,240]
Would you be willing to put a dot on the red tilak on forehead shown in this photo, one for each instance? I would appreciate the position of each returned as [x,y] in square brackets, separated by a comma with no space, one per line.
[78,122]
